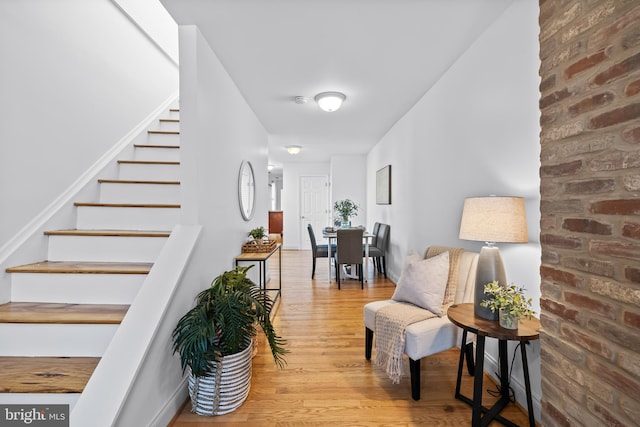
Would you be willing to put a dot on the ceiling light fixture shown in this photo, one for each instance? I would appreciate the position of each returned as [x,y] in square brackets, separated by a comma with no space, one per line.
[330,101]
[293,149]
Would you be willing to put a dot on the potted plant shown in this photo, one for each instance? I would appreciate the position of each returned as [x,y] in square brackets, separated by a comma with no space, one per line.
[345,209]
[510,303]
[258,233]
[214,340]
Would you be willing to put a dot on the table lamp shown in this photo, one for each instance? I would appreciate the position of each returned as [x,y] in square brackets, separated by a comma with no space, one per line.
[492,219]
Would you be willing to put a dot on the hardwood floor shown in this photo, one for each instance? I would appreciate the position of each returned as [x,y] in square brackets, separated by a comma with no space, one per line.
[327,380]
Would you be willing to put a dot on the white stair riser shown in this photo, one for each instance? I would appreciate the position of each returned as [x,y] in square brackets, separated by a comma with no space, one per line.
[173,115]
[171,126]
[163,139]
[126,218]
[76,288]
[105,248]
[155,154]
[40,399]
[140,193]
[60,340]
[146,172]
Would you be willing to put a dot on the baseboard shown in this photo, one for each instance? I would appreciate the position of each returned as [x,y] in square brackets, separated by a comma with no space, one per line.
[173,407]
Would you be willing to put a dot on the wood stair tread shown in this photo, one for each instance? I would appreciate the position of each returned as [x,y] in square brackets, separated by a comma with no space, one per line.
[146,162]
[74,267]
[129,181]
[164,132]
[126,205]
[111,233]
[45,374]
[170,120]
[155,146]
[35,312]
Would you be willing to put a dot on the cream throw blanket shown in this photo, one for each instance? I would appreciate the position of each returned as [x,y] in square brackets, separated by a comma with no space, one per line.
[392,320]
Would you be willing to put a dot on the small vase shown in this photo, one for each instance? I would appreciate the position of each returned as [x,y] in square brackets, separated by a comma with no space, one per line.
[507,320]
[345,224]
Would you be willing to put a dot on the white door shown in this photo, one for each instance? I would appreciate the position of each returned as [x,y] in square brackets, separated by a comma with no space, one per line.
[314,207]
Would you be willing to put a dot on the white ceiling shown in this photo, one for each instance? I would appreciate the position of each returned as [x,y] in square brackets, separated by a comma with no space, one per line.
[383,54]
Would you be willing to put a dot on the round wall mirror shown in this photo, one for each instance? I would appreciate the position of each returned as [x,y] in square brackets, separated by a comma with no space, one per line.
[246,190]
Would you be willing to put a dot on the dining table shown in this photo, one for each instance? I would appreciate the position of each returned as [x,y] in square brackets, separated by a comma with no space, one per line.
[331,234]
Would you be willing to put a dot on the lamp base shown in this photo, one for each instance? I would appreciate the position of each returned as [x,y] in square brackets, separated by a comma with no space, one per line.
[490,268]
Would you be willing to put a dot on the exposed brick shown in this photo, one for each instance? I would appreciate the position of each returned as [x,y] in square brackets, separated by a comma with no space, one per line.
[564,149]
[615,249]
[594,17]
[581,225]
[561,206]
[632,88]
[561,241]
[550,257]
[557,349]
[591,186]
[578,413]
[603,413]
[551,290]
[562,169]
[600,389]
[632,135]
[632,274]
[618,70]
[615,161]
[590,304]
[560,21]
[559,310]
[616,207]
[551,416]
[631,229]
[585,64]
[629,361]
[605,33]
[548,83]
[589,265]
[614,117]
[547,223]
[559,276]
[614,290]
[549,116]
[632,319]
[562,131]
[591,344]
[554,97]
[551,324]
[616,333]
[551,188]
[632,39]
[630,407]
[566,385]
[631,182]
[590,104]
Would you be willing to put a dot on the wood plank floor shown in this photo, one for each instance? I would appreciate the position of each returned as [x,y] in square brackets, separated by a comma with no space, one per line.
[327,380]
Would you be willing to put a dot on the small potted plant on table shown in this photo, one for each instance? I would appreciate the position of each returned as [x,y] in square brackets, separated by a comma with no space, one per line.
[345,209]
[214,340]
[510,303]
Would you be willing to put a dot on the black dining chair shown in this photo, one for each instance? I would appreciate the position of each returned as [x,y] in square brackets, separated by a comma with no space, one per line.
[379,251]
[317,251]
[349,251]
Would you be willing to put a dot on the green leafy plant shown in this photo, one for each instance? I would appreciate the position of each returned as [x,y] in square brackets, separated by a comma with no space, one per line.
[258,233]
[345,209]
[223,321]
[509,299]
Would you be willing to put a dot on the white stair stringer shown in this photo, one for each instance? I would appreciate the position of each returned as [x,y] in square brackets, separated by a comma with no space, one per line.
[160,192]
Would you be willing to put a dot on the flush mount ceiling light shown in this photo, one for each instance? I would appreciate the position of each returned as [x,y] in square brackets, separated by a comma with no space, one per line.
[330,101]
[293,149]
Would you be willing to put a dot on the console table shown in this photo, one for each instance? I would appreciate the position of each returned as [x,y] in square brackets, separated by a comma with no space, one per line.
[261,258]
[528,330]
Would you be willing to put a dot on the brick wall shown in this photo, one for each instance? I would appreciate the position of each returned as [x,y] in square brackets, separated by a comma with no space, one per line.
[590,206]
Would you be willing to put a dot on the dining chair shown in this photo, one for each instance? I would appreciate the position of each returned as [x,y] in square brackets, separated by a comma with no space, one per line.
[317,251]
[349,251]
[378,251]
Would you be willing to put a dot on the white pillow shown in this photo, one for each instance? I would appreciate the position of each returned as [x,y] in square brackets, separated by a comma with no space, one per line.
[424,282]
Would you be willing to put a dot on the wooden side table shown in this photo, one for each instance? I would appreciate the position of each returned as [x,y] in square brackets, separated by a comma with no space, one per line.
[528,330]
[261,258]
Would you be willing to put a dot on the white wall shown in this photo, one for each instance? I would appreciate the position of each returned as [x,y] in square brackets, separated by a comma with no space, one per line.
[291,173]
[75,78]
[349,181]
[218,131]
[474,133]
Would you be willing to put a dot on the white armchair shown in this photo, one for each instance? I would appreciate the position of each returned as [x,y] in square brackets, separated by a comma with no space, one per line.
[432,335]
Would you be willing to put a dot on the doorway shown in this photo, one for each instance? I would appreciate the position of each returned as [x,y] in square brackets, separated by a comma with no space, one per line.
[314,207]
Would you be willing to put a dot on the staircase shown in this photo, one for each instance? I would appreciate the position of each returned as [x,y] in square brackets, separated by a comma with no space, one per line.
[65,310]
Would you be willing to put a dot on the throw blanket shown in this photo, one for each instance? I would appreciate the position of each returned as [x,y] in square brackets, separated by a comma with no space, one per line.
[452,281]
[391,324]
[393,319]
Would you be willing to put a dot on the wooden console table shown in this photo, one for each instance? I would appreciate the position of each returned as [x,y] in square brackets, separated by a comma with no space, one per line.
[528,330]
[261,258]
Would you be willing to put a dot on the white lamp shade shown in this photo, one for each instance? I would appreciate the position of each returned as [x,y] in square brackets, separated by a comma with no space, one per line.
[330,101]
[494,219]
